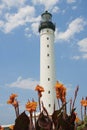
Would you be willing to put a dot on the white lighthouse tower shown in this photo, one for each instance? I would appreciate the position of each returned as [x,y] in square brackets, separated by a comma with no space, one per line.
[47,61]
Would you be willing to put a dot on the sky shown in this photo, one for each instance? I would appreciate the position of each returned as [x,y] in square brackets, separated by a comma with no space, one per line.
[20,50]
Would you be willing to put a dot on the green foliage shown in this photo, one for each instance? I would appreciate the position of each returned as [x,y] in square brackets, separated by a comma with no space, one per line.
[85,120]
[84,124]
[80,127]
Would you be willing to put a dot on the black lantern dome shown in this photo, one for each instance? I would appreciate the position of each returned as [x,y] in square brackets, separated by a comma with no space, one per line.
[46,21]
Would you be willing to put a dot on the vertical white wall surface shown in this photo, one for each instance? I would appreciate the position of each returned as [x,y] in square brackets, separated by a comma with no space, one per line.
[47,68]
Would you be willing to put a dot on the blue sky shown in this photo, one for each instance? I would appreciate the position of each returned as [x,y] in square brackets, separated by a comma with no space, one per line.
[20,49]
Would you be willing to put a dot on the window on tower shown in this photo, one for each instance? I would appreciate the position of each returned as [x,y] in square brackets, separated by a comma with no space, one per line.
[48,66]
[48,54]
[49,92]
[47,45]
[47,38]
[49,105]
[48,79]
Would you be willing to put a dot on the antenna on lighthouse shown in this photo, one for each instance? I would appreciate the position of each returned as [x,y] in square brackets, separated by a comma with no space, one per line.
[47,61]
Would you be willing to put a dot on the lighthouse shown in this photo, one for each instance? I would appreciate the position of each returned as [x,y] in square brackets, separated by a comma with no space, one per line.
[47,61]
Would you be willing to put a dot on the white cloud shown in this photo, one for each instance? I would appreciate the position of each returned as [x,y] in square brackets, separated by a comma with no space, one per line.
[82,45]
[76,57]
[81,56]
[1,23]
[12,3]
[55,9]
[7,5]
[84,56]
[27,32]
[2,6]
[24,83]
[71,1]
[34,27]
[74,7]
[48,5]
[76,26]
[23,16]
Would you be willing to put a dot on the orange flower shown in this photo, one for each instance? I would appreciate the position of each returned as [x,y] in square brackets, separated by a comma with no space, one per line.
[58,85]
[15,103]
[11,127]
[31,106]
[13,96]
[57,95]
[83,102]
[64,92]
[77,119]
[12,99]
[60,91]
[1,128]
[9,101]
[63,99]
[39,89]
